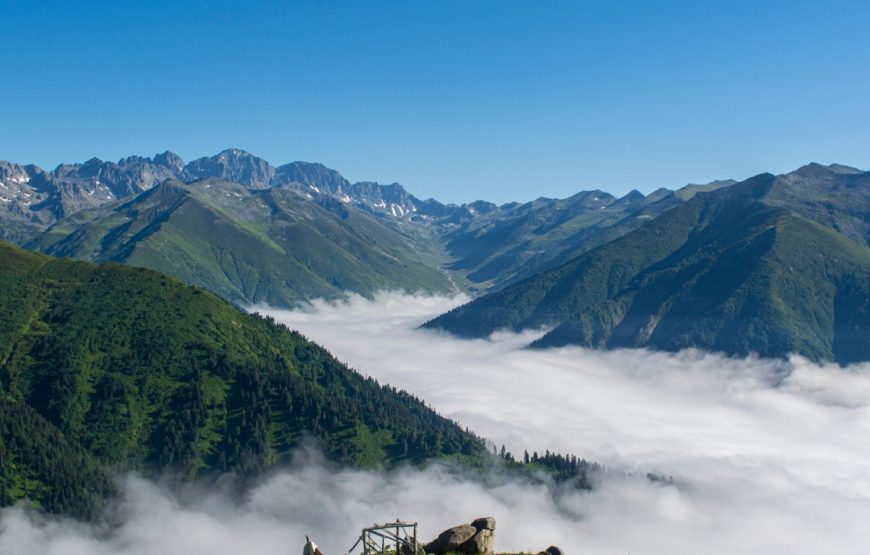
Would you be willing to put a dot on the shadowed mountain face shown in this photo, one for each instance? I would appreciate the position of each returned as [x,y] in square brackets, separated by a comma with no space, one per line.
[496,246]
[111,368]
[772,265]
[274,246]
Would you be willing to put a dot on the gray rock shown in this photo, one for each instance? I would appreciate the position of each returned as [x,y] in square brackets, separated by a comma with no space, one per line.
[484,523]
[234,165]
[452,538]
[476,538]
[480,543]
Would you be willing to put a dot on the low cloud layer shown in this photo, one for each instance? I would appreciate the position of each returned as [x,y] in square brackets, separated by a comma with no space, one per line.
[310,497]
[771,456]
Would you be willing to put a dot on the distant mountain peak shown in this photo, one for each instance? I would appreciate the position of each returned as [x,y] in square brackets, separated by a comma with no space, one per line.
[235,153]
[815,169]
[842,168]
[234,164]
[313,175]
[170,160]
[634,194]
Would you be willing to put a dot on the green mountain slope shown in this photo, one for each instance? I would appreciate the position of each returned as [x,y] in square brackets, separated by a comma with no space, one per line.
[270,246]
[504,245]
[109,368]
[736,270]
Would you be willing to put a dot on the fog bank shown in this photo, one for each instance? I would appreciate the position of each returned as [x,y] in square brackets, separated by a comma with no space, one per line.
[771,456]
[773,452]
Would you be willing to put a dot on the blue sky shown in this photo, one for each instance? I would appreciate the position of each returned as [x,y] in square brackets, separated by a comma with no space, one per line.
[456,100]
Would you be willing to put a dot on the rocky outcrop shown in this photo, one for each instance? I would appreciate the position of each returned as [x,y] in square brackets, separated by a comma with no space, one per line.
[234,165]
[474,538]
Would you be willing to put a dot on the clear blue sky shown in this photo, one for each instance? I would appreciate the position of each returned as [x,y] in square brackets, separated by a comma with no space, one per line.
[456,100]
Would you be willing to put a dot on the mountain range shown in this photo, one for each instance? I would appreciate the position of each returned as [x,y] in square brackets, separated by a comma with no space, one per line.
[387,238]
[115,367]
[773,265]
[31,198]
[720,266]
[271,246]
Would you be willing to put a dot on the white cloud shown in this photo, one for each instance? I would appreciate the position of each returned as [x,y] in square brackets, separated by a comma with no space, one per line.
[772,456]
[772,450]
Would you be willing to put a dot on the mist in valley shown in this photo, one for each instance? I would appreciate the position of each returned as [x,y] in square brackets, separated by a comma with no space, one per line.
[767,456]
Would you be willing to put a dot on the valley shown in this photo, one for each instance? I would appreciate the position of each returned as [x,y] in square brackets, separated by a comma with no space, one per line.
[516,278]
[725,266]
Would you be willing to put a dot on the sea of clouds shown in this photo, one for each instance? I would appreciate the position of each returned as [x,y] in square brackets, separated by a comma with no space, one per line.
[768,456]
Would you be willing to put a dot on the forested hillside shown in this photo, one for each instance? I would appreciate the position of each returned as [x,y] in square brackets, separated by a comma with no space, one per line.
[108,368]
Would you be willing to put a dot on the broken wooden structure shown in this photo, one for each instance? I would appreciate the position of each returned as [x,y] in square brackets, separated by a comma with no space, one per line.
[391,538]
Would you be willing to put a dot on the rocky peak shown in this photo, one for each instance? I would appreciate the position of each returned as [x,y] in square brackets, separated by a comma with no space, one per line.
[841,168]
[171,161]
[12,172]
[235,165]
[311,177]
[390,199]
[481,207]
[816,171]
[132,160]
[632,196]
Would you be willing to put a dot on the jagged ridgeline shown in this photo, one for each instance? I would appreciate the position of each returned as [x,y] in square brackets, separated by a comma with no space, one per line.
[255,233]
[272,246]
[108,368]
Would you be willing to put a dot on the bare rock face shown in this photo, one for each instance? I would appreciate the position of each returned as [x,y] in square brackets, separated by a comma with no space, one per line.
[481,542]
[451,539]
[484,523]
[472,539]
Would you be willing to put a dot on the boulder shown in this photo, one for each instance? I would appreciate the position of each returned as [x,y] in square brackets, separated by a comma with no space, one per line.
[481,542]
[484,523]
[476,538]
[451,539]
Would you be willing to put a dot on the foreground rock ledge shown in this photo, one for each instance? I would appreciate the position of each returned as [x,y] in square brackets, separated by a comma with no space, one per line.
[471,539]
[477,537]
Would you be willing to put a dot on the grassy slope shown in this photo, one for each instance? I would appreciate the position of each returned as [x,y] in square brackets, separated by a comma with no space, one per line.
[495,252]
[112,367]
[250,247]
[724,271]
